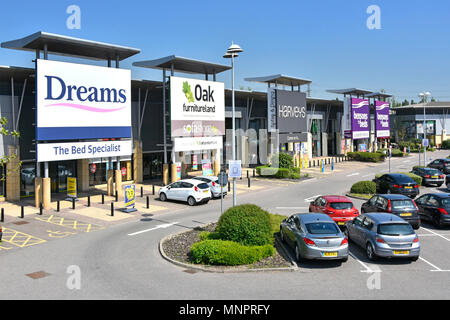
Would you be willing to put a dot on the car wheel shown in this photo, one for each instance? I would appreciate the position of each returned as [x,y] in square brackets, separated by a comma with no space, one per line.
[440,184]
[206,201]
[191,201]
[298,255]
[370,252]
[416,226]
[414,258]
[345,259]
[162,196]
[436,221]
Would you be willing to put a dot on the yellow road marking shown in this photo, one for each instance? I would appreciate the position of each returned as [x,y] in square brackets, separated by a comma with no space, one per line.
[19,239]
[59,234]
[70,223]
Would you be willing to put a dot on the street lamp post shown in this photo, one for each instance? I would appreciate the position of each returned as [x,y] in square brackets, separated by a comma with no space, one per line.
[424,96]
[232,52]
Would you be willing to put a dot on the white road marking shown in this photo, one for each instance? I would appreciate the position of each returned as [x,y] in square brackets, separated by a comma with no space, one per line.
[309,180]
[437,234]
[363,264]
[437,269]
[368,175]
[312,198]
[161,226]
[353,174]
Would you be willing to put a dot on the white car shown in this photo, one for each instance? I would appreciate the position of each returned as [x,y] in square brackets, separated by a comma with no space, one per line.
[214,186]
[189,190]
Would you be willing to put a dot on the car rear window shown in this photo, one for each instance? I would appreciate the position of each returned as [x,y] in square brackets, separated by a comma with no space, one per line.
[321,228]
[402,204]
[395,229]
[445,202]
[432,171]
[203,186]
[403,179]
[341,205]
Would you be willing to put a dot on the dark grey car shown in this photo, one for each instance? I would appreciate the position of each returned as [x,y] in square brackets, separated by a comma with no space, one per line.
[430,176]
[314,236]
[384,235]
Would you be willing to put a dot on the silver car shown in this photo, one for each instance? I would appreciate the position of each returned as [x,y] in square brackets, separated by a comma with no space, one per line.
[384,235]
[214,186]
[314,236]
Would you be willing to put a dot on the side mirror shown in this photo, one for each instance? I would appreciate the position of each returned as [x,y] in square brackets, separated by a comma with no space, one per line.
[168,187]
[312,202]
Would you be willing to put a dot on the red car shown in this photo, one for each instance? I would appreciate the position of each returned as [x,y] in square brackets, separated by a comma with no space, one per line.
[340,208]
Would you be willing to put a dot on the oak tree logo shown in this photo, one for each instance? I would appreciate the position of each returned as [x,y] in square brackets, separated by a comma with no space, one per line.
[188,92]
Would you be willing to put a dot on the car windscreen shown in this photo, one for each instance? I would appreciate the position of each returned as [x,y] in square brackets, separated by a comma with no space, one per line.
[445,202]
[321,228]
[203,186]
[395,229]
[402,204]
[341,205]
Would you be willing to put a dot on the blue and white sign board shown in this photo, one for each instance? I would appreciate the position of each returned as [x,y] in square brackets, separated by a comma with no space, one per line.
[82,150]
[425,143]
[77,101]
[234,168]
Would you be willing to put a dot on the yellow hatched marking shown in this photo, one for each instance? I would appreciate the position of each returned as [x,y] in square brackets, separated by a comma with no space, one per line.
[70,223]
[19,239]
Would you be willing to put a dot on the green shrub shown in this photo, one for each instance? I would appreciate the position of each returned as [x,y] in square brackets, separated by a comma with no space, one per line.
[282,160]
[445,144]
[283,173]
[364,187]
[417,167]
[416,178]
[247,224]
[229,253]
[366,156]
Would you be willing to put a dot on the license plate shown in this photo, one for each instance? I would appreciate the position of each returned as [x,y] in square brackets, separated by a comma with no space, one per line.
[341,223]
[206,191]
[406,214]
[329,254]
[435,177]
[408,187]
[401,252]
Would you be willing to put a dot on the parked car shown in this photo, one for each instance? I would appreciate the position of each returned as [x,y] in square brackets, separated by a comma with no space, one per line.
[1,233]
[396,204]
[430,176]
[397,183]
[188,190]
[339,208]
[384,235]
[214,186]
[435,207]
[314,236]
[440,164]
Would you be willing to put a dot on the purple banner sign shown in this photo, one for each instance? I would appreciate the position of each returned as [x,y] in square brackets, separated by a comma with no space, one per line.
[382,119]
[360,118]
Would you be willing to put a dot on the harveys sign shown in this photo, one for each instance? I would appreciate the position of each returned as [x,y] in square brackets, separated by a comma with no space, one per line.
[197,107]
[76,101]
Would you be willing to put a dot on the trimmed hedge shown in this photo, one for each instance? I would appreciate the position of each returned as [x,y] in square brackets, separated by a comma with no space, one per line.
[366,156]
[364,187]
[282,173]
[395,152]
[282,160]
[246,224]
[416,178]
[219,252]
[445,144]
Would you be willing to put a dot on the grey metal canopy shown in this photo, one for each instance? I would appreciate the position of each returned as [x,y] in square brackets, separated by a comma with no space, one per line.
[378,95]
[280,79]
[72,47]
[18,73]
[184,65]
[351,91]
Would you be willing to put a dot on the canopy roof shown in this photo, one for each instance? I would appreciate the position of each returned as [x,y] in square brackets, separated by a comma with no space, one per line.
[184,65]
[351,91]
[378,95]
[280,79]
[72,47]
[18,73]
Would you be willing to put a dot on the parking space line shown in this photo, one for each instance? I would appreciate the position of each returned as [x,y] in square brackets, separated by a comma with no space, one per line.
[436,268]
[161,226]
[19,239]
[437,234]
[312,198]
[70,223]
[368,269]
[353,174]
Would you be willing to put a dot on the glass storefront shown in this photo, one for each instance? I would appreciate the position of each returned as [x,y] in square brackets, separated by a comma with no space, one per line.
[152,165]
[98,170]
[316,130]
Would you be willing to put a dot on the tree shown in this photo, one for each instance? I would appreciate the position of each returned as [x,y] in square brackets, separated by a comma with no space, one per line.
[7,158]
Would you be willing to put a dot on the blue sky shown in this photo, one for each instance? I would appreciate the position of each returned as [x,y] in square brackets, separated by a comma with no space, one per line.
[326,41]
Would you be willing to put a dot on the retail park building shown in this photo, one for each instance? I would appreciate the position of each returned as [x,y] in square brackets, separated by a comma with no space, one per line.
[100,125]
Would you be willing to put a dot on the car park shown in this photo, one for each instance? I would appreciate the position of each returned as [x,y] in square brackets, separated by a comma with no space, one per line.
[435,208]
[384,235]
[396,204]
[440,164]
[397,183]
[214,186]
[430,176]
[188,190]
[314,236]
[339,208]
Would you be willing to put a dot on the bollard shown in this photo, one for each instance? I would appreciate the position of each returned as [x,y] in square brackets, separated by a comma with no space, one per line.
[22,213]
[247,174]
[332,164]
[89,201]
[103,198]
[73,203]
[153,189]
[2,217]
[40,209]
[148,202]
[117,196]
[248,182]
[323,167]
[254,173]
[57,206]
[229,186]
[142,191]
[112,209]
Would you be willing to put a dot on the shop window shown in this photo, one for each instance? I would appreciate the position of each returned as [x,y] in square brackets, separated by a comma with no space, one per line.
[27,176]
